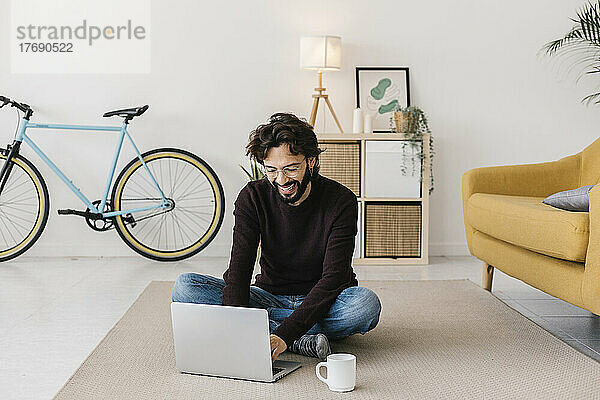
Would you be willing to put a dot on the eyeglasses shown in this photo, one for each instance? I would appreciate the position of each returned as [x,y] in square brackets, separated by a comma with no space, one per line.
[290,172]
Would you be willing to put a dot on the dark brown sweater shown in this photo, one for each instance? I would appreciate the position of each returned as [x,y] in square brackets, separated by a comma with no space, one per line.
[305,249]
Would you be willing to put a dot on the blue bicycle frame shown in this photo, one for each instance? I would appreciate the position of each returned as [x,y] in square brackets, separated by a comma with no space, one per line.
[22,137]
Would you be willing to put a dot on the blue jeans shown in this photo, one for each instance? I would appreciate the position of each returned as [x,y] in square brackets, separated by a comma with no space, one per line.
[356,309]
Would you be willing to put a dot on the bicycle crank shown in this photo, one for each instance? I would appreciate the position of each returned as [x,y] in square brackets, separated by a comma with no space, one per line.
[93,219]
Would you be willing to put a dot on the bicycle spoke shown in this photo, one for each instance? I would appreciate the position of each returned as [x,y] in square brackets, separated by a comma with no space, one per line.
[137,192]
[161,231]
[19,210]
[148,180]
[5,212]
[8,230]
[19,199]
[13,223]
[179,176]
[187,226]
[170,176]
[3,237]
[158,231]
[181,231]
[196,214]
[10,186]
[212,199]
[185,178]
[197,192]
[174,180]
[143,239]
[186,192]
[22,204]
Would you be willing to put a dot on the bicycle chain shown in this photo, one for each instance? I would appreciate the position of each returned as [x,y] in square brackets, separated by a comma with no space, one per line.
[141,219]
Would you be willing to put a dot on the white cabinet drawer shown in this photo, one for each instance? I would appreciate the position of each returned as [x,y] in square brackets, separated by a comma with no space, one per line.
[383,176]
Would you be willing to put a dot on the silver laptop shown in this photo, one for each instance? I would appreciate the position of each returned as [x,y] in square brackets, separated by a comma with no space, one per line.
[223,341]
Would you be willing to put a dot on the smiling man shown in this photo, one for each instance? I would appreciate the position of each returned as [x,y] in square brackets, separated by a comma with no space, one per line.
[306,226]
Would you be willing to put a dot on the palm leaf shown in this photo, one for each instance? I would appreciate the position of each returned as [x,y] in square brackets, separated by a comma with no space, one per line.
[247,173]
[592,98]
[255,173]
[572,37]
[595,70]
[587,29]
[580,47]
[589,20]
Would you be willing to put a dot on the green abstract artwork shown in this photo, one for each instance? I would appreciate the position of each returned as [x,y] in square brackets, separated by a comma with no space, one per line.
[379,91]
[389,107]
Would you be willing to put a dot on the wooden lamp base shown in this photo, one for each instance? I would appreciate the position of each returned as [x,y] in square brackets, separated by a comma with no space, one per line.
[318,96]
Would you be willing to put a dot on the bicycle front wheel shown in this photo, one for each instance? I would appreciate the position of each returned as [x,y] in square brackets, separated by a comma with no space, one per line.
[185,228]
[24,205]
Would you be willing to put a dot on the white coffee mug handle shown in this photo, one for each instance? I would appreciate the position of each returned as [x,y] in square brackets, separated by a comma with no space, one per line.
[318,371]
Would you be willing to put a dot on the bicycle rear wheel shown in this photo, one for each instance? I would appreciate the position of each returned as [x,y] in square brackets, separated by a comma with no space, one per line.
[169,234]
[24,206]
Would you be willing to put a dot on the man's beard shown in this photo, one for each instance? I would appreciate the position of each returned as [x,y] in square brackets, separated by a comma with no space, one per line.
[301,188]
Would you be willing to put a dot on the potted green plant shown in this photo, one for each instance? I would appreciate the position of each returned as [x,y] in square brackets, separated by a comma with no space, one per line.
[412,123]
[581,45]
[255,172]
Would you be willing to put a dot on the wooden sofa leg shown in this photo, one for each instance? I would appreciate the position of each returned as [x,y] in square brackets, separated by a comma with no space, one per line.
[488,275]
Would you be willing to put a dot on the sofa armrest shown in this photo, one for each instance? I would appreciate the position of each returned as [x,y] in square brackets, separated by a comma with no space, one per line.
[590,288]
[535,180]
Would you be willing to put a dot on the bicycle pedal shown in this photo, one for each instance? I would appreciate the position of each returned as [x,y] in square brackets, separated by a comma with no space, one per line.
[86,214]
[67,212]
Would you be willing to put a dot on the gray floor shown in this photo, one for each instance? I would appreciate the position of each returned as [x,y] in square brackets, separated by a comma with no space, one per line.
[54,311]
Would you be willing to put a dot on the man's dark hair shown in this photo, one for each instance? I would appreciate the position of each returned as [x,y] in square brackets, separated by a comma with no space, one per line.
[284,128]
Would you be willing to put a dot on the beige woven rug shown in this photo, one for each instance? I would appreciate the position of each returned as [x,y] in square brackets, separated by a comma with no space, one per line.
[435,340]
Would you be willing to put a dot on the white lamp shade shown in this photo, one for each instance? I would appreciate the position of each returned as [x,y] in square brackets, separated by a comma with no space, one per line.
[322,53]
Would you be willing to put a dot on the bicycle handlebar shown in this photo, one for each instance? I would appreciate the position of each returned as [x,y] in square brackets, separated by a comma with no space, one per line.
[21,106]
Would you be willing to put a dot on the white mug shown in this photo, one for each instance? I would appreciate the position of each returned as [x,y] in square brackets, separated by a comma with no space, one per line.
[341,372]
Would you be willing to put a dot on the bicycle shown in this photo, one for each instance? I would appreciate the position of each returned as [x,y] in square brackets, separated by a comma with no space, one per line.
[166,204]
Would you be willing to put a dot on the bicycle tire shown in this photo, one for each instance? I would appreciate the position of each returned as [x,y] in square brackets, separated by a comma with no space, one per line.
[133,181]
[9,228]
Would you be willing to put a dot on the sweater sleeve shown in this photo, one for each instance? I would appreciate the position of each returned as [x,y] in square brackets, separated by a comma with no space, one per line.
[337,272]
[246,233]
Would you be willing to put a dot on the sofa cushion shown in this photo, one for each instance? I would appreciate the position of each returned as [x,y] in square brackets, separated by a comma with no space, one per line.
[571,200]
[527,222]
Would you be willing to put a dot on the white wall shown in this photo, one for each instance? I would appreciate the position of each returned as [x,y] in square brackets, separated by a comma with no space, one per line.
[219,69]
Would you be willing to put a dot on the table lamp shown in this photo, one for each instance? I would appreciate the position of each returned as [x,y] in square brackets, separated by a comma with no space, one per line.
[321,53]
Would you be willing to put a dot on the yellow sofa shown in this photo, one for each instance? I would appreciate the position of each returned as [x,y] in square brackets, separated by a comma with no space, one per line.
[509,228]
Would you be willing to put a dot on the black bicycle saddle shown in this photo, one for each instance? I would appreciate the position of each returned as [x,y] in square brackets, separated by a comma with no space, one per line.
[127,112]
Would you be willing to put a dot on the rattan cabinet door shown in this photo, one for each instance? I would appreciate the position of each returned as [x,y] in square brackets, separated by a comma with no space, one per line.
[392,229]
[341,162]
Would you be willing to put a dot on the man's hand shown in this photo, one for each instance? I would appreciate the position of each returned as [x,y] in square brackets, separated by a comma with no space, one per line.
[278,346]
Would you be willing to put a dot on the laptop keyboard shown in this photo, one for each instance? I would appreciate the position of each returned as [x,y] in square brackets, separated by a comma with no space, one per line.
[277,370]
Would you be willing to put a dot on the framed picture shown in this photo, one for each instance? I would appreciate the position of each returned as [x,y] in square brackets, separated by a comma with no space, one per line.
[379,90]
